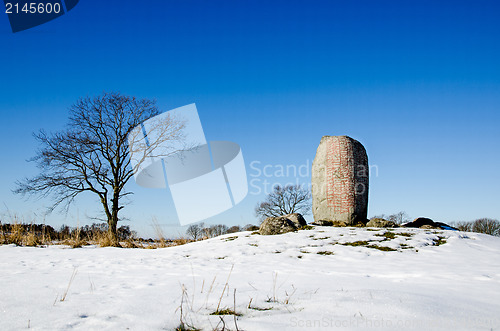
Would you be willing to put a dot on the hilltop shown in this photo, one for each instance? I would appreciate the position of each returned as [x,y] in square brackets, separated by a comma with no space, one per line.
[322,278]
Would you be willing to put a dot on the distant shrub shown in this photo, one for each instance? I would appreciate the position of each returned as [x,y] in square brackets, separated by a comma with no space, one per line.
[483,225]
[234,229]
[463,226]
[251,227]
[398,218]
[487,226]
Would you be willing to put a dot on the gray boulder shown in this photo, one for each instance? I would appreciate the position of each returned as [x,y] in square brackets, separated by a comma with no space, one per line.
[297,219]
[340,181]
[381,223]
[277,225]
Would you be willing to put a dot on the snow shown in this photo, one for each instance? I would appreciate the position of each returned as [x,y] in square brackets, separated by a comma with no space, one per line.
[286,283]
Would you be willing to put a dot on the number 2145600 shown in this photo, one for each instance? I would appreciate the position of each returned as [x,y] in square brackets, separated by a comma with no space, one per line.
[32,8]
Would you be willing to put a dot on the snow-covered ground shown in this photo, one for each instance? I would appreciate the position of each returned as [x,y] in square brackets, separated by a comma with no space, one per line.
[307,280]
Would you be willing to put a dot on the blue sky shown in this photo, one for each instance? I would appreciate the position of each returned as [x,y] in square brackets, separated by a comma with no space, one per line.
[417,82]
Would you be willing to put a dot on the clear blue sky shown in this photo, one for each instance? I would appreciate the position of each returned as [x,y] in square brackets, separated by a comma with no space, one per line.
[417,82]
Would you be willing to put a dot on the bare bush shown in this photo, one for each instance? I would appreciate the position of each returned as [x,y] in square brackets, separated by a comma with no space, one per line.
[463,226]
[234,229]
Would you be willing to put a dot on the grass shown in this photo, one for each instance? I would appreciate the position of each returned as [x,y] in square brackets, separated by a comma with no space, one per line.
[325,253]
[387,235]
[184,327]
[356,243]
[439,241]
[225,311]
[306,227]
[65,294]
[229,238]
[260,308]
[382,248]
[365,244]
[321,238]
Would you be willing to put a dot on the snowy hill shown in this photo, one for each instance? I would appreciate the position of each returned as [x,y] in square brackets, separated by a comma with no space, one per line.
[319,279]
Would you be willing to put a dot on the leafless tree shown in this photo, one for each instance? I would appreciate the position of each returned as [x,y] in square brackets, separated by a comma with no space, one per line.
[92,154]
[399,218]
[486,225]
[284,200]
[215,230]
[463,226]
[195,231]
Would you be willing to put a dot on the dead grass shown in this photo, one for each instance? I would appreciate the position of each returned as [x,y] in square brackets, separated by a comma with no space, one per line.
[440,241]
[75,241]
[382,248]
[387,235]
[23,235]
[225,311]
[356,243]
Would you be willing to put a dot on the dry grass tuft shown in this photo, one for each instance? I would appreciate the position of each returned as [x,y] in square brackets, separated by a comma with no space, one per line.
[225,311]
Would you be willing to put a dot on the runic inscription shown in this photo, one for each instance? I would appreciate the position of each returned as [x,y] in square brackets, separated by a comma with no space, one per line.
[339,175]
[339,181]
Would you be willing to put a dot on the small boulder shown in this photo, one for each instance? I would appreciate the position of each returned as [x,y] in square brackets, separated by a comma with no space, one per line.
[380,223]
[277,225]
[297,219]
[428,227]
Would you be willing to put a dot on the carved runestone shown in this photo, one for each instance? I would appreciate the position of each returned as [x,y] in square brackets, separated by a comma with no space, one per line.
[340,181]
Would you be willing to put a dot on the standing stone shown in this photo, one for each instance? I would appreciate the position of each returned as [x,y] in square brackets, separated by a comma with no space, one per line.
[340,181]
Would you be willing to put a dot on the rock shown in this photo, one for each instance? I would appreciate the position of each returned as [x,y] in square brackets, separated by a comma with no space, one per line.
[277,225]
[428,227]
[340,181]
[427,223]
[380,223]
[419,222]
[297,219]
[444,226]
[329,223]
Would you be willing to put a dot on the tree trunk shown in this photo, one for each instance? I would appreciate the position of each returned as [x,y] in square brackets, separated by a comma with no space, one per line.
[113,222]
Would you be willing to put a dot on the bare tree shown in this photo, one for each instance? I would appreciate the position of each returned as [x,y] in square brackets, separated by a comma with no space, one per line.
[399,218]
[215,230]
[195,231]
[463,226]
[92,153]
[486,225]
[284,200]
